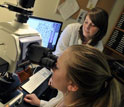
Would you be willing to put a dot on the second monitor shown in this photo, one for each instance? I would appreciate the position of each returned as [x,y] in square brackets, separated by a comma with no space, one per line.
[48,29]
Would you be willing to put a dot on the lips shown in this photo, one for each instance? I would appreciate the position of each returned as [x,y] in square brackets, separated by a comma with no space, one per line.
[86,31]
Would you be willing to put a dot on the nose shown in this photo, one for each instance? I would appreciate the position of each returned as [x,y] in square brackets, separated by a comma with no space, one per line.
[88,26]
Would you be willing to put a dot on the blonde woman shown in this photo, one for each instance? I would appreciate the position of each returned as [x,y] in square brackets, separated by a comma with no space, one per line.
[83,76]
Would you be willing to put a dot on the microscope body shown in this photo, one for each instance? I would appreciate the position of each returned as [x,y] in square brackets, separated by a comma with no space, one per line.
[19,44]
[14,42]
[15,39]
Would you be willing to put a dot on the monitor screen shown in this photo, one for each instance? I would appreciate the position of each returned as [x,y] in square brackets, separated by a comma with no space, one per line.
[48,29]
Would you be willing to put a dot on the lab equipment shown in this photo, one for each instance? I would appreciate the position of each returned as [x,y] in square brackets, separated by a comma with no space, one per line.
[18,40]
[15,37]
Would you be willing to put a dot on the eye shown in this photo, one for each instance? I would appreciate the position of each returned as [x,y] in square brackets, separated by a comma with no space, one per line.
[55,67]
[93,25]
[85,22]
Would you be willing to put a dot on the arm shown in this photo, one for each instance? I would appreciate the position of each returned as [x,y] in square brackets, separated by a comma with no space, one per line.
[34,100]
[68,37]
[53,101]
[99,46]
[63,41]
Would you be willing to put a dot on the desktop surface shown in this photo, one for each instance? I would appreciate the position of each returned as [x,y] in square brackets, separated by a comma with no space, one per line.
[40,91]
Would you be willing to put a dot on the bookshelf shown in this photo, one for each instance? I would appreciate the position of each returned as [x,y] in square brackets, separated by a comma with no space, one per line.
[115,44]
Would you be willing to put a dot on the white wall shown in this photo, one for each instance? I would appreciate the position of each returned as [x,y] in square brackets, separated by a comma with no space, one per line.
[5,14]
[47,9]
[42,8]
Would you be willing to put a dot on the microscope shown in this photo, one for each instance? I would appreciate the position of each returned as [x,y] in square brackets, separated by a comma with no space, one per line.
[19,45]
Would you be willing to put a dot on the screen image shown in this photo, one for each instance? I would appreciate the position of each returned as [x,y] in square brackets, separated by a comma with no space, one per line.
[48,29]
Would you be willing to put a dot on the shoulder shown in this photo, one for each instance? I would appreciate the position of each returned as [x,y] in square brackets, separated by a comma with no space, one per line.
[99,46]
[54,101]
[71,28]
[75,26]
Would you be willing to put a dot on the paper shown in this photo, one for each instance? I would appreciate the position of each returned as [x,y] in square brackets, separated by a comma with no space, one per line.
[68,8]
[81,16]
[91,4]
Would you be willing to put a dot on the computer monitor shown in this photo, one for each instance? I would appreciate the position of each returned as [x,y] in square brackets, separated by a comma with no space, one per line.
[48,29]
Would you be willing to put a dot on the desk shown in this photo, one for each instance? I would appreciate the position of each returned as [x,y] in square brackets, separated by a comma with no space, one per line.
[41,90]
[23,76]
[9,93]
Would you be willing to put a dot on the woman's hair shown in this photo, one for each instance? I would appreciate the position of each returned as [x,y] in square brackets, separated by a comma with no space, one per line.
[100,18]
[89,69]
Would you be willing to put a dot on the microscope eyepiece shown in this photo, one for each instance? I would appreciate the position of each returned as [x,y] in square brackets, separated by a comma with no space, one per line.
[47,62]
[27,3]
[41,55]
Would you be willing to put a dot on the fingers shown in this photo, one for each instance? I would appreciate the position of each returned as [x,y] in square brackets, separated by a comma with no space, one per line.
[28,98]
[32,99]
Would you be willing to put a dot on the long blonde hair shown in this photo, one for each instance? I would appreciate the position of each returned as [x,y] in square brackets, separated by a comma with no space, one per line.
[89,69]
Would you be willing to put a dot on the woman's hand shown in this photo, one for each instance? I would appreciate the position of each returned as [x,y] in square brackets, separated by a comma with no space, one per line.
[32,99]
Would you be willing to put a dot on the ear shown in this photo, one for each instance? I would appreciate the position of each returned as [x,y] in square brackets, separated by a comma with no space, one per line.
[72,87]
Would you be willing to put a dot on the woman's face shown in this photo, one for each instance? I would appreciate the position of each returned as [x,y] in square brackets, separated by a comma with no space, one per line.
[89,28]
[59,78]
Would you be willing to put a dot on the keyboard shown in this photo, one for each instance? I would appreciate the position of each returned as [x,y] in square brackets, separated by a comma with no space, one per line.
[36,80]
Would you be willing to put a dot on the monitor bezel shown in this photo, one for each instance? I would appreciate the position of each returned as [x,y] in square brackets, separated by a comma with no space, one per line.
[50,20]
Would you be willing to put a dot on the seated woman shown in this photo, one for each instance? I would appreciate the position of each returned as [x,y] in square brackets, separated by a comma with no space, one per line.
[83,76]
[91,31]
